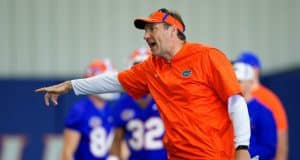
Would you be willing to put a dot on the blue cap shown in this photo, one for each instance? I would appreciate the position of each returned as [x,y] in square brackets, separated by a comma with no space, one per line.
[249,58]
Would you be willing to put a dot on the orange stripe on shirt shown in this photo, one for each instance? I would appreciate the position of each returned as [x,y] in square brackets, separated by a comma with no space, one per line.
[272,102]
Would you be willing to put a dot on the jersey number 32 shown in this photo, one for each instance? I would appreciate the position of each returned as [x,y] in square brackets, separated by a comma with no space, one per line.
[146,135]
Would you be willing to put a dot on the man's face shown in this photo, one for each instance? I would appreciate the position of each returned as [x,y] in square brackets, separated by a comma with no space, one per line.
[158,38]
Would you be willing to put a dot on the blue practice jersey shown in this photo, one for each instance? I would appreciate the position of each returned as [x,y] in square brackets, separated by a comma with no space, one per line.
[144,129]
[263,139]
[95,127]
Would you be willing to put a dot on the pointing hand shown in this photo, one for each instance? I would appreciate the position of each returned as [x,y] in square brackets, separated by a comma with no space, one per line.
[53,92]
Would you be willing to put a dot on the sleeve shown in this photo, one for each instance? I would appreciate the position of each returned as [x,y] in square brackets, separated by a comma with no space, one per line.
[221,75]
[271,100]
[73,119]
[134,80]
[102,83]
[239,116]
[280,115]
[266,141]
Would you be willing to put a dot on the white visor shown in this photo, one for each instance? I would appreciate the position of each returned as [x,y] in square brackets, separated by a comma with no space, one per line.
[243,71]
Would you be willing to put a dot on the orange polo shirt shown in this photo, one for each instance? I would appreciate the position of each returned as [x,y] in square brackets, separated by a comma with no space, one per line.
[272,102]
[191,92]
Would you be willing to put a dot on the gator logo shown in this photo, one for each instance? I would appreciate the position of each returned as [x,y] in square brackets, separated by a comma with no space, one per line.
[186,73]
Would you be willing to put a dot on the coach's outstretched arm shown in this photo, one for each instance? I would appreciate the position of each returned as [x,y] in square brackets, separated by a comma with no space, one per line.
[104,83]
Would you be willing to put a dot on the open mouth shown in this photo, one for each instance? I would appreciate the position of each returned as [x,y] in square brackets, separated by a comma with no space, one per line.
[151,44]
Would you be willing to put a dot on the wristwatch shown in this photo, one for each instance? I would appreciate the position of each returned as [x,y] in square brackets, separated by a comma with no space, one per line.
[242,147]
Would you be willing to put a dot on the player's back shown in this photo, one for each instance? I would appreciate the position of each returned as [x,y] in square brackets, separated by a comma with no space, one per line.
[144,129]
[94,125]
